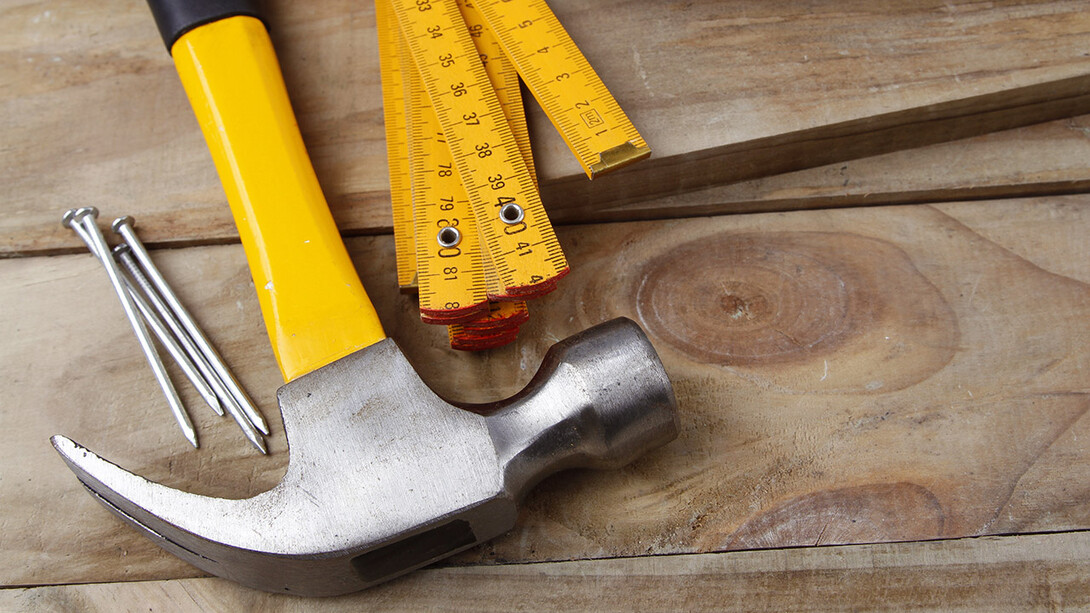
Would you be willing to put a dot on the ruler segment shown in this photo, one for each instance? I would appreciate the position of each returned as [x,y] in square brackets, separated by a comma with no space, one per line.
[504,77]
[501,324]
[471,173]
[571,93]
[451,274]
[513,225]
[397,144]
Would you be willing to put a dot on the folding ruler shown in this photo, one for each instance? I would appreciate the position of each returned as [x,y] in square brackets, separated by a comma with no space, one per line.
[471,234]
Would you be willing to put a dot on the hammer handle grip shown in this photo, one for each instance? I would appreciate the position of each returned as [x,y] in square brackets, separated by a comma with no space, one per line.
[176,17]
[315,307]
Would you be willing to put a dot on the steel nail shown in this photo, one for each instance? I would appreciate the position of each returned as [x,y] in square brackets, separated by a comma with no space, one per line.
[151,318]
[202,375]
[123,226]
[124,253]
[82,221]
[173,346]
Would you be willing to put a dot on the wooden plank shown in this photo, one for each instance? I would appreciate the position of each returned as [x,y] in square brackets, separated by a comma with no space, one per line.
[93,112]
[1039,160]
[1038,572]
[844,376]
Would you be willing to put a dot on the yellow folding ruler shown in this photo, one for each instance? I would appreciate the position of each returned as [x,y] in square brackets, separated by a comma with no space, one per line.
[564,84]
[469,226]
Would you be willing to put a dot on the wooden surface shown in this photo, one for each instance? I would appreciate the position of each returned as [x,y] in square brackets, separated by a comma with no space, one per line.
[93,112]
[883,390]
[1031,573]
[1042,159]
[844,376]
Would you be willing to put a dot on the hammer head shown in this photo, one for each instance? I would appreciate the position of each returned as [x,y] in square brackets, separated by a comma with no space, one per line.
[385,476]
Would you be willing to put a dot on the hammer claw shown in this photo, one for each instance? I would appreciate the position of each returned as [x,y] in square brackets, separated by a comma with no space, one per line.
[117,489]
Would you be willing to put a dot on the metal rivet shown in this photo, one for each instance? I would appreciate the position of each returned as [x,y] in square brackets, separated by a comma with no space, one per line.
[448,237]
[512,213]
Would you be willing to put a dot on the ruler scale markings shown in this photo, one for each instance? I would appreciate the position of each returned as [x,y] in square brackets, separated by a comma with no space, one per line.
[480,149]
[502,323]
[451,275]
[504,78]
[600,134]
[461,54]
[397,145]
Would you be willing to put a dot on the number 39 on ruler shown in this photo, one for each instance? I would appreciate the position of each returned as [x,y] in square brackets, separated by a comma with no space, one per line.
[465,121]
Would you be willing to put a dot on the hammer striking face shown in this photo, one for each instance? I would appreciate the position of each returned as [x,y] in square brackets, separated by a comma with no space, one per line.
[385,477]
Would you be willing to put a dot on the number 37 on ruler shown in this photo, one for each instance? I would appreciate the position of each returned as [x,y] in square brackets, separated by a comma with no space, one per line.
[463,113]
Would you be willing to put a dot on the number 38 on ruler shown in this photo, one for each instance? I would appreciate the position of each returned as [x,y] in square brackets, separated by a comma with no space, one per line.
[469,148]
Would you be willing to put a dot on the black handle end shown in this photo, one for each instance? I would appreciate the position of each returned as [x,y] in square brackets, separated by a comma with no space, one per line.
[176,17]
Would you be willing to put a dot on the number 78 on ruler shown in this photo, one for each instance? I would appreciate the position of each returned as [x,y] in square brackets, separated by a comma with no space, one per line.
[455,66]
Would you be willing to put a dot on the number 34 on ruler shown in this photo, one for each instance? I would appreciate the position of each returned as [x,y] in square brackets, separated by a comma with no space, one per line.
[461,116]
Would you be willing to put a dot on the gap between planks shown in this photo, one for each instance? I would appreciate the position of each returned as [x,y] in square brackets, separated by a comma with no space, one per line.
[996,573]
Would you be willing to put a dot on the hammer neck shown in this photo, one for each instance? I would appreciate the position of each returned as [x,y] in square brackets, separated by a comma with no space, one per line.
[599,400]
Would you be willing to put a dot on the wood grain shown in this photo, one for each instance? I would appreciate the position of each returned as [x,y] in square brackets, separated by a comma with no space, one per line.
[93,112]
[1038,572]
[1039,160]
[844,376]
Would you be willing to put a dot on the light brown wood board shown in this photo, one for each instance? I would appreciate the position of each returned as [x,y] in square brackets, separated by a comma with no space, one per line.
[1038,160]
[844,376]
[1020,573]
[1043,159]
[93,113]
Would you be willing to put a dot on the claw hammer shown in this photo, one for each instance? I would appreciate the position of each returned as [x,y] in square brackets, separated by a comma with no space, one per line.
[383,476]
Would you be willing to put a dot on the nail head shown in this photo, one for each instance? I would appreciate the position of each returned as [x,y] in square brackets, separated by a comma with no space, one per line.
[126,220]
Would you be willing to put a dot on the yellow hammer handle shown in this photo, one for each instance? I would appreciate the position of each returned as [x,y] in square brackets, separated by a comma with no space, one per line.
[314,305]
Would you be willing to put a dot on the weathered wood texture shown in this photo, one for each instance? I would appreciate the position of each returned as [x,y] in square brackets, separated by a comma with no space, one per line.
[1039,573]
[844,376]
[92,112]
[1043,159]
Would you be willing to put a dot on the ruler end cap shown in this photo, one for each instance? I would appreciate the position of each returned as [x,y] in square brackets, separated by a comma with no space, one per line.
[618,157]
